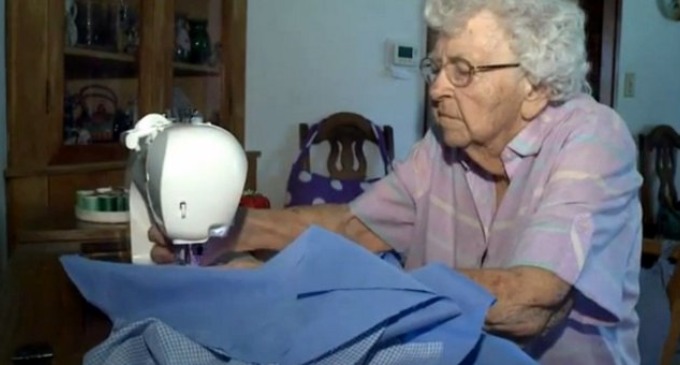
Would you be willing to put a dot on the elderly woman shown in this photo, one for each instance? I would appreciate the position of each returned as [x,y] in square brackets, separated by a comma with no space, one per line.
[526,185]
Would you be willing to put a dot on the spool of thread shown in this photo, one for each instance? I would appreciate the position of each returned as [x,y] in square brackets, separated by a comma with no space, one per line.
[82,198]
[123,202]
[105,203]
[102,200]
[90,202]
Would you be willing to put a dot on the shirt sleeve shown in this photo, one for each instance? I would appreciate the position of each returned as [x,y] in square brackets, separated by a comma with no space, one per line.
[587,227]
[388,207]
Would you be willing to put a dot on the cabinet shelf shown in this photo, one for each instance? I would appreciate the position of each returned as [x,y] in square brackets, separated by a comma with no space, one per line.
[100,55]
[87,154]
[188,69]
[70,169]
[93,63]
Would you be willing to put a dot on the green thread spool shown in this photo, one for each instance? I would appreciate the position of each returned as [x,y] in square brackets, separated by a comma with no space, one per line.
[81,196]
[115,203]
[102,200]
[105,203]
[122,202]
[90,202]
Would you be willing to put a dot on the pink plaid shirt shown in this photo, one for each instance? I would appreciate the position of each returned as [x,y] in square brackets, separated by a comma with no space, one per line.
[571,208]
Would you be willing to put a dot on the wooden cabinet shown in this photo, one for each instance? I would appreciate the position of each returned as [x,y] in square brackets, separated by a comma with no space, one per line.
[81,71]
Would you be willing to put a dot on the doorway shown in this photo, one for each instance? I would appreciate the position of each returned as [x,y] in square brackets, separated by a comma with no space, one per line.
[602,31]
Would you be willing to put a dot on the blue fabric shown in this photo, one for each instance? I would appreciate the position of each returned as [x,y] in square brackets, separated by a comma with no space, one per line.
[153,342]
[152,339]
[306,305]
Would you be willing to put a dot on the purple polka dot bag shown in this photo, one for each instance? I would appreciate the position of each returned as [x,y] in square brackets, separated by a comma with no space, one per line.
[309,188]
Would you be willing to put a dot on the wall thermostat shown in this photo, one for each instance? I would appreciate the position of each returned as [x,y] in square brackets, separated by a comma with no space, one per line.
[403,54]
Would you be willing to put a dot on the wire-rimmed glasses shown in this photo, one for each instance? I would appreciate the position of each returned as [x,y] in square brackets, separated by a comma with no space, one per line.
[458,70]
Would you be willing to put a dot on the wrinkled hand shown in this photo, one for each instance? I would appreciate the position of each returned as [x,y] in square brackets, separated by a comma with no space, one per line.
[162,253]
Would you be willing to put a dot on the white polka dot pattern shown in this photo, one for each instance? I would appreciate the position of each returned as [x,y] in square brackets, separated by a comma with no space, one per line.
[305,176]
[318,201]
[336,184]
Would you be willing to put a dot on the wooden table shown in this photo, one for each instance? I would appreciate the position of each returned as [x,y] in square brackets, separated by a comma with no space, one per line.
[38,303]
[66,228]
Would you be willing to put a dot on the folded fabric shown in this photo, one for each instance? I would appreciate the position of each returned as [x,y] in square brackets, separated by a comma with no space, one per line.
[320,298]
[153,342]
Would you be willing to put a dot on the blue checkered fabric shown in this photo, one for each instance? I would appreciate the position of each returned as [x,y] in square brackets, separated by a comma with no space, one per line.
[409,354]
[356,352]
[154,343]
[305,306]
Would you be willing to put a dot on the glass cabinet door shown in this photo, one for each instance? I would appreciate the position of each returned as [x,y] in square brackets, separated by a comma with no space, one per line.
[101,40]
[198,67]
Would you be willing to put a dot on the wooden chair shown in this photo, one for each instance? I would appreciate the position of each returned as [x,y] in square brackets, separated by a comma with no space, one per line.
[657,160]
[346,133]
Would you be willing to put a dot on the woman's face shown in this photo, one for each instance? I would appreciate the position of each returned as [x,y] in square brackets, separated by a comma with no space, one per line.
[487,112]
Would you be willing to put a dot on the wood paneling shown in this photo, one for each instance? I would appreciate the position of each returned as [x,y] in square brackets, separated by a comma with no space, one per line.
[52,136]
[38,303]
[155,55]
[27,199]
[234,59]
[29,101]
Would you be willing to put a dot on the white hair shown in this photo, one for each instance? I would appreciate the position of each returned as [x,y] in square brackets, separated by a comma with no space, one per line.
[548,37]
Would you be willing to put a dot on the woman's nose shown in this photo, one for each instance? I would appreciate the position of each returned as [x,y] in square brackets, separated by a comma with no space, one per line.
[440,87]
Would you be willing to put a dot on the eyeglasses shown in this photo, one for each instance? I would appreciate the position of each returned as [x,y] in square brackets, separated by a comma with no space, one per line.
[458,71]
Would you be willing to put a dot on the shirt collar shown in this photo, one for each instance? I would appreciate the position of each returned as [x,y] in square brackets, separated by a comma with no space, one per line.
[527,143]
[530,140]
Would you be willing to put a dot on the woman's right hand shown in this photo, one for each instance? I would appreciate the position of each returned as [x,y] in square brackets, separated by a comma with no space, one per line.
[162,252]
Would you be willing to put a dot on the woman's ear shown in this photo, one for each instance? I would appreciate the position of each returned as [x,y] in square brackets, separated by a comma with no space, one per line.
[535,100]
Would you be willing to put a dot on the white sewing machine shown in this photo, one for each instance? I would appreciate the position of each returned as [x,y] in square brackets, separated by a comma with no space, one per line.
[187,179]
